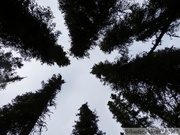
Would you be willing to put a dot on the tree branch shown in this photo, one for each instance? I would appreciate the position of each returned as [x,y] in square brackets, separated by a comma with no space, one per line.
[158,40]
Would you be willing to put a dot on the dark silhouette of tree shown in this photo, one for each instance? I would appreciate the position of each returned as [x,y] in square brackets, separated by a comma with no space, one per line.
[87,123]
[141,23]
[128,114]
[28,28]
[147,84]
[8,65]
[85,19]
[26,114]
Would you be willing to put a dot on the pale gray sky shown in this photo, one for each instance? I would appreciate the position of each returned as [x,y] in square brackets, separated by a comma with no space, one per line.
[80,86]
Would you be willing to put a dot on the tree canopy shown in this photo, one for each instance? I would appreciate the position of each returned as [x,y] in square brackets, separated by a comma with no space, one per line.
[145,87]
[87,123]
[118,23]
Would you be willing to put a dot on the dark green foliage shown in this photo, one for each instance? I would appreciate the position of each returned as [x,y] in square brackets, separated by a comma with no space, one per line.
[153,18]
[135,109]
[85,18]
[150,82]
[28,28]
[87,123]
[159,69]
[118,23]
[27,112]
[8,65]
[148,86]
[151,78]
[129,115]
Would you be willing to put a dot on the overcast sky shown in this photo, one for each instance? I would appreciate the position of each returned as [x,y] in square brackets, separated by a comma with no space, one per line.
[80,86]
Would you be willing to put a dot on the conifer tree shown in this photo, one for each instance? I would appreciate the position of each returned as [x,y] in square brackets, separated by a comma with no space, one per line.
[87,123]
[28,28]
[85,19]
[147,84]
[26,114]
[141,23]
[127,114]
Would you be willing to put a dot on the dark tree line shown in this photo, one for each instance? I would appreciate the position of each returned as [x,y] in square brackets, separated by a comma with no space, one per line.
[145,87]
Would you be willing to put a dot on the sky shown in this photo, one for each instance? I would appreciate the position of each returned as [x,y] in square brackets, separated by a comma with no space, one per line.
[80,86]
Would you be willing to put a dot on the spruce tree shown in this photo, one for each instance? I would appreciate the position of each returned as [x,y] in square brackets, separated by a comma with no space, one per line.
[127,114]
[87,123]
[85,20]
[28,29]
[141,23]
[147,84]
[26,114]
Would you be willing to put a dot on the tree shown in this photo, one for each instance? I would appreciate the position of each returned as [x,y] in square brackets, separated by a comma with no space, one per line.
[129,115]
[87,123]
[147,84]
[141,23]
[8,65]
[26,113]
[85,19]
[28,28]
